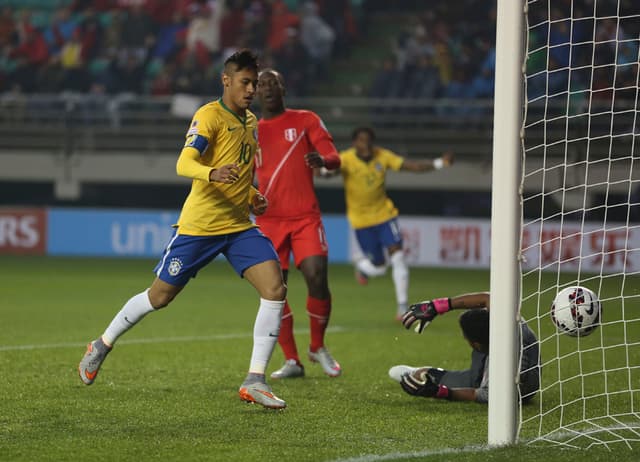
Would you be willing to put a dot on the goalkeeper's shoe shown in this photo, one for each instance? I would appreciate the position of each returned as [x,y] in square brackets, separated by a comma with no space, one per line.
[290,370]
[330,366]
[261,393]
[396,372]
[93,358]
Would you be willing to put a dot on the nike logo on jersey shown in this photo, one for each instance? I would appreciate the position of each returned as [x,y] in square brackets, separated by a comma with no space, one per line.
[271,334]
[231,128]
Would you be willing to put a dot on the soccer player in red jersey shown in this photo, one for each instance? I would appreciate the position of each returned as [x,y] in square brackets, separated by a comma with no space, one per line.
[292,143]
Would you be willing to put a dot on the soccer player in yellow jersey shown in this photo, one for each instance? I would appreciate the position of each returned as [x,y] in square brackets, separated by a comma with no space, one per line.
[372,214]
[218,155]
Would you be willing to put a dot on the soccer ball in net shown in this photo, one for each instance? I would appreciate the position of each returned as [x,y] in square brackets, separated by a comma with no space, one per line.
[576,311]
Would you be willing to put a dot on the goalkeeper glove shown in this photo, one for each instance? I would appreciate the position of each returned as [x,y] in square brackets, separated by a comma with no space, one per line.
[424,383]
[424,312]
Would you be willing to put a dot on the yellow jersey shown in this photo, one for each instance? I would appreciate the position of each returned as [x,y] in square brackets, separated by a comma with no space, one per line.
[221,137]
[364,189]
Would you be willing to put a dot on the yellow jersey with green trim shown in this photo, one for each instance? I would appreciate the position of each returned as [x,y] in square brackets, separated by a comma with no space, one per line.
[213,208]
[364,186]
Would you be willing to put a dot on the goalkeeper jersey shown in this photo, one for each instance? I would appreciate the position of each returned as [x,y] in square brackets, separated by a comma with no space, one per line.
[221,137]
[529,382]
[364,186]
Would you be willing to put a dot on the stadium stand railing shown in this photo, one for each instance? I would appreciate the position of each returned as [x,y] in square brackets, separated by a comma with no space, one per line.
[81,124]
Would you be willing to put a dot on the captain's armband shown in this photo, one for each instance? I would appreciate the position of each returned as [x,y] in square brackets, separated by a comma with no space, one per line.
[198,142]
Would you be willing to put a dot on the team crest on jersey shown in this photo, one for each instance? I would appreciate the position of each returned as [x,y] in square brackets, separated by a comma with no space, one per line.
[378,166]
[193,130]
[175,265]
[290,134]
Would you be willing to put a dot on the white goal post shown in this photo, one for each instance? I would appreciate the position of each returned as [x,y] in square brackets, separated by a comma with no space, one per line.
[505,221]
[566,211]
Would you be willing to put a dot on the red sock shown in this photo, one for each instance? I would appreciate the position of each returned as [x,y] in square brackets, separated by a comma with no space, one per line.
[285,339]
[319,312]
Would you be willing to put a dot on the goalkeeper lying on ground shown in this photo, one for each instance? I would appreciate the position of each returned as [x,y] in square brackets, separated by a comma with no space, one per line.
[471,384]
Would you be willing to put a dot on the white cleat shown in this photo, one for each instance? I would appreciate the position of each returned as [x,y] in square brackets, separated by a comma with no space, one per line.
[92,360]
[396,372]
[291,369]
[261,393]
[330,366]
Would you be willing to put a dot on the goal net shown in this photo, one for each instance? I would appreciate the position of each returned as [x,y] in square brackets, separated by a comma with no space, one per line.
[581,216]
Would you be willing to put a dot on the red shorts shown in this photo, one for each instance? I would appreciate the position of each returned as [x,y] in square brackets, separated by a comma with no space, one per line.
[305,237]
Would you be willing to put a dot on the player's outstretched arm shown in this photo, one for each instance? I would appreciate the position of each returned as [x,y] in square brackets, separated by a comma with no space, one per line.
[426,165]
[421,314]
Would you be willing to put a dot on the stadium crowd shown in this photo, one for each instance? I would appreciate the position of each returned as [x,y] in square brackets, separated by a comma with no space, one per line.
[441,53]
[162,47]
[445,54]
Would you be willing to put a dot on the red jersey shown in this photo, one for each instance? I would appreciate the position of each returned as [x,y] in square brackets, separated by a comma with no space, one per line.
[283,176]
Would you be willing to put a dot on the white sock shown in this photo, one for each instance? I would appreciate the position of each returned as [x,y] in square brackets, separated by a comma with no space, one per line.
[371,270]
[400,274]
[265,334]
[133,311]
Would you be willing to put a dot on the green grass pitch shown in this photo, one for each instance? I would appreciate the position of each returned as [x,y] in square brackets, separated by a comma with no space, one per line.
[169,389]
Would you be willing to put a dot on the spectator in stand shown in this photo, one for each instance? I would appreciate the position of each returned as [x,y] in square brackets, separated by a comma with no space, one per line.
[424,81]
[162,84]
[457,89]
[112,37]
[7,27]
[293,61]
[337,14]
[90,34]
[317,38]
[171,37]
[162,12]
[230,33]
[418,45]
[203,34]
[30,53]
[75,76]
[443,61]
[137,32]
[281,21]
[130,74]
[388,80]
[188,79]
[50,77]
[60,30]
[255,24]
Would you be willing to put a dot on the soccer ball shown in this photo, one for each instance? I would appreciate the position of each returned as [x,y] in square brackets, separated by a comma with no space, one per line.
[576,311]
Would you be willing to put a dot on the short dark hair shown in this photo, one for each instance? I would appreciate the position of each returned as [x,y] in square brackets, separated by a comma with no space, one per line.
[475,326]
[368,130]
[271,70]
[241,59]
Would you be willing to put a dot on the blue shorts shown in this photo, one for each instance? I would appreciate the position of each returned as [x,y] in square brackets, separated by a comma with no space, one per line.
[374,239]
[186,255]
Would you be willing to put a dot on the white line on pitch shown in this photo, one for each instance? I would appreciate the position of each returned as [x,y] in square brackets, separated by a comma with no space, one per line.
[137,341]
[412,455]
